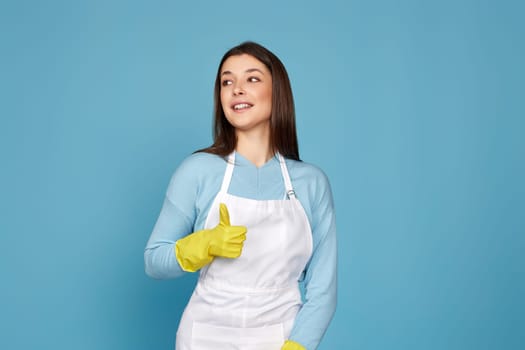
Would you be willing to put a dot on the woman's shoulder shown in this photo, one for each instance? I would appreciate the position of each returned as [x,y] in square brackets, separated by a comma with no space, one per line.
[201,161]
[199,166]
[312,187]
[302,169]
[195,172]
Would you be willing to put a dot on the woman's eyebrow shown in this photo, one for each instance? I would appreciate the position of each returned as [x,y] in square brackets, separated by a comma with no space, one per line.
[251,70]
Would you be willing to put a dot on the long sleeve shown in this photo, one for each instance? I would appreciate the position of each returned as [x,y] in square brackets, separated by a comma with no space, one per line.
[177,219]
[321,274]
[159,256]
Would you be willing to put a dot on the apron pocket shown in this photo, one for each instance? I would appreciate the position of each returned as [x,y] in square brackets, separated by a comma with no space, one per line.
[207,337]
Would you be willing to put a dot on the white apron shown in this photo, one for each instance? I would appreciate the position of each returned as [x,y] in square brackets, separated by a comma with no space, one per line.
[250,303]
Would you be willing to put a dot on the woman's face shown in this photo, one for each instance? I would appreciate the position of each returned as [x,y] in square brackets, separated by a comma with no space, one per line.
[246,92]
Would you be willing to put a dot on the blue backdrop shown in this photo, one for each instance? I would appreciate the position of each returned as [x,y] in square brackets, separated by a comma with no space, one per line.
[414,109]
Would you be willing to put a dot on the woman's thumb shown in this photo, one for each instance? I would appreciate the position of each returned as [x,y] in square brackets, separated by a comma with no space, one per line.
[224,216]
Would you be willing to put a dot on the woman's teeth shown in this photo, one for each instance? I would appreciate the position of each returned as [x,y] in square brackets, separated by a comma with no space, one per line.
[241,106]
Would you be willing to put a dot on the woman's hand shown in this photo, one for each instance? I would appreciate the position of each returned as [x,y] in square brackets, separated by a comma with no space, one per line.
[226,240]
[199,248]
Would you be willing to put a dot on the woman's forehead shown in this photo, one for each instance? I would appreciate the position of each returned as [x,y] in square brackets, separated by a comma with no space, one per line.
[242,63]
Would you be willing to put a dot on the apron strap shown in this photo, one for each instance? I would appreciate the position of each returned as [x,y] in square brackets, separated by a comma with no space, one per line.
[228,173]
[286,177]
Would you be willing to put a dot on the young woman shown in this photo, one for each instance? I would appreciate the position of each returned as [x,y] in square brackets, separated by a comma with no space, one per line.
[252,218]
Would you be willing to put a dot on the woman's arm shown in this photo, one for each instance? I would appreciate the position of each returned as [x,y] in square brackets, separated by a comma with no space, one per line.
[159,256]
[176,219]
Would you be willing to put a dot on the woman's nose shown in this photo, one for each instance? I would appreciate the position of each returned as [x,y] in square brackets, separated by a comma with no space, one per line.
[238,90]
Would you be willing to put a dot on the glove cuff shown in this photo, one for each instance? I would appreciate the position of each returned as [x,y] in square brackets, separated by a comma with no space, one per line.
[189,258]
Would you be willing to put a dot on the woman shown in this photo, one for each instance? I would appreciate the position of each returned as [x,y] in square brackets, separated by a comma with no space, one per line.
[253,218]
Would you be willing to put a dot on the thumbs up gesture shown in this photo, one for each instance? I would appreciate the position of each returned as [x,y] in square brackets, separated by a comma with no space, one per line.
[226,240]
[199,248]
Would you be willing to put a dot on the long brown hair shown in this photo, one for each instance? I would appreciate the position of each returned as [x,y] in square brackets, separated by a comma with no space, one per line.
[283,135]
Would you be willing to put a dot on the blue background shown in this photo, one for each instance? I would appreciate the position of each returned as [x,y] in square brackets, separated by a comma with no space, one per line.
[414,109]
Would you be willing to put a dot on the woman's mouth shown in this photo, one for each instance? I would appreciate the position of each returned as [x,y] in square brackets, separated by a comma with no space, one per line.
[242,106]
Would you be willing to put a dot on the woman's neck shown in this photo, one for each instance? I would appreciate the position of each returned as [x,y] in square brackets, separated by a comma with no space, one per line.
[255,147]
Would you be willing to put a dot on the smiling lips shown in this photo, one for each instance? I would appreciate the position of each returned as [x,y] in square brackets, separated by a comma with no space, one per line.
[242,106]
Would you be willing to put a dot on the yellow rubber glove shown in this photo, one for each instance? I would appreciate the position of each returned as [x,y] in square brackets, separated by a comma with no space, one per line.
[292,345]
[199,248]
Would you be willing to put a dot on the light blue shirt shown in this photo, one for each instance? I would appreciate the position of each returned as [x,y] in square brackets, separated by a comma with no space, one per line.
[190,194]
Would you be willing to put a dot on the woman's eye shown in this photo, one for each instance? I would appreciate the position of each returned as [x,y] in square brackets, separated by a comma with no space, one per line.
[226,82]
[253,79]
